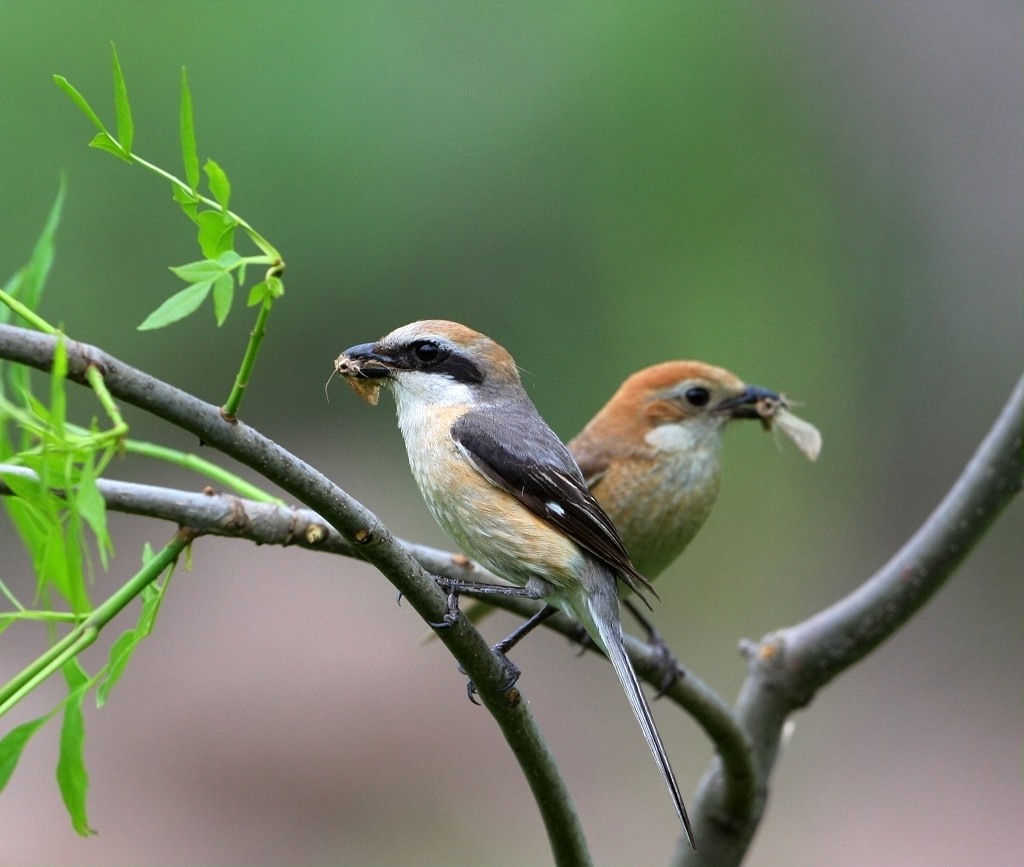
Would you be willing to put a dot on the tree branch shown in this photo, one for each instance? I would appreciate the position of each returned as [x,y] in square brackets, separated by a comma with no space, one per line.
[222,514]
[361,529]
[785,670]
[789,666]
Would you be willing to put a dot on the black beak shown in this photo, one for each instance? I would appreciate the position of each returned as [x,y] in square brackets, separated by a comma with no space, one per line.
[365,362]
[744,405]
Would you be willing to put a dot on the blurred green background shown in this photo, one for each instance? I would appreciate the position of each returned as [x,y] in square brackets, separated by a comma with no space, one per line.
[825,198]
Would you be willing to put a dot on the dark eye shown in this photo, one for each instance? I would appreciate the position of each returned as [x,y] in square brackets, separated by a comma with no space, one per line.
[426,351]
[697,396]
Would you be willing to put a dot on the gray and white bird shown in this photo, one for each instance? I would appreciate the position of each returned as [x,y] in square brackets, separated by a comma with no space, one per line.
[504,488]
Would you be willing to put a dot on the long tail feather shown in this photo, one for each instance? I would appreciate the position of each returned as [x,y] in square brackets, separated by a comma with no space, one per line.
[604,612]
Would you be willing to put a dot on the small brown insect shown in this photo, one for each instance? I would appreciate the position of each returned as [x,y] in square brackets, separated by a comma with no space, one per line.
[367,389]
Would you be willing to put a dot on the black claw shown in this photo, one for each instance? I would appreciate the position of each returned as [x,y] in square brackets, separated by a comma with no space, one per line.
[667,663]
[511,669]
[453,613]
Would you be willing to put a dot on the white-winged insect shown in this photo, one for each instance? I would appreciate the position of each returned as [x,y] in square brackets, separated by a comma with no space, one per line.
[804,435]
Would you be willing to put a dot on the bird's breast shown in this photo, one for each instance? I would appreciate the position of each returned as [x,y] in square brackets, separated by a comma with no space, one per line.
[488,524]
[659,502]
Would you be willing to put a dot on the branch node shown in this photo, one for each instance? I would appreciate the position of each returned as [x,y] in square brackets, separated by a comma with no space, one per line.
[315,534]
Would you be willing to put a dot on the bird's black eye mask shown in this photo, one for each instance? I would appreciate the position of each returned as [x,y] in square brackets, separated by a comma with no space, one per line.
[433,356]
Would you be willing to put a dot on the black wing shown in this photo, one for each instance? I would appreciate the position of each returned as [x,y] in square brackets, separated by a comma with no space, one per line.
[536,469]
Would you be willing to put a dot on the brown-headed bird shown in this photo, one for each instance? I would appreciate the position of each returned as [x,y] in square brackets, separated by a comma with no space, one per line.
[652,454]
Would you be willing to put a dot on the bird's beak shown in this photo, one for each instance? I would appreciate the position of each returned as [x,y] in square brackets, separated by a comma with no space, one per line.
[364,362]
[753,402]
[365,369]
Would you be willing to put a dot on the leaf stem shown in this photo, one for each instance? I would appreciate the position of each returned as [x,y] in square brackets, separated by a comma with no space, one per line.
[202,466]
[95,379]
[256,336]
[85,633]
[29,315]
[257,238]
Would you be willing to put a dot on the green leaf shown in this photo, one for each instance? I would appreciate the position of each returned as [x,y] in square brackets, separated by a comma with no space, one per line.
[228,259]
[178,306]
[188,135]
[52,567]
[223,293]
[152,597]
[125,127]
[219,184]
[72,777]
[120,655]
[26,511]
[104,141]
[93,509]
[58,395]
[80,101]
[275,286]
[202,269]
[12,745]
[257,294]
[124,647]
[27,284]
[216,232]
[265,290]
[188,201]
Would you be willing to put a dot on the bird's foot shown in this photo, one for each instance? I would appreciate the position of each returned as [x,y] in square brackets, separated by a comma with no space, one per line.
[511,670]
[668,666]
[453,612]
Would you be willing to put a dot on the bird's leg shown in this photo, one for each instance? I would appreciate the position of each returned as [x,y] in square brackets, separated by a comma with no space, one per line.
[667,662]
[524,629]
[502,648]
[455,587]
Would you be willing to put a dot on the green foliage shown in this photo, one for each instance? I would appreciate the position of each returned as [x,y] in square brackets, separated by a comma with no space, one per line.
[51,466]
[189,155]
[72,777]
[13,743]
[26,285]
[216,225]
[122,649]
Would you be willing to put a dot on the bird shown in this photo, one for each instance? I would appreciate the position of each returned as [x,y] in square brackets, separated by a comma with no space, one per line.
[652,457]
[506,490]
[652,454]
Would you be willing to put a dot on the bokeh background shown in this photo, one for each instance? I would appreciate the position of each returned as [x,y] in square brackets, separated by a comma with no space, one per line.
[823,197]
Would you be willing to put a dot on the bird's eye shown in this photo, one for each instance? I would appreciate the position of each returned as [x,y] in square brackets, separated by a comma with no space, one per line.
[426,351]
[697,396]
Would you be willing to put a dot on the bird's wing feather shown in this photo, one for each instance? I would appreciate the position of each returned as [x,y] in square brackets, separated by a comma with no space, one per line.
[592,466]
[541,475]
